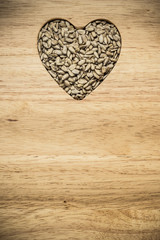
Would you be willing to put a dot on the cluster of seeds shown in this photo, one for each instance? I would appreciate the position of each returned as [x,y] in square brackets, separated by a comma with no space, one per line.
[79,59]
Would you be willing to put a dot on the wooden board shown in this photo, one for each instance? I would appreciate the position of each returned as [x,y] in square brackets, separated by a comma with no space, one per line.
[80,169]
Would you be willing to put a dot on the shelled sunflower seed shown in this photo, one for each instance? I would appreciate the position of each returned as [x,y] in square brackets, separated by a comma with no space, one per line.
[79,60]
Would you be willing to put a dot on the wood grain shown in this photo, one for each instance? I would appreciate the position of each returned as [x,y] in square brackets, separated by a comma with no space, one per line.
[85,169]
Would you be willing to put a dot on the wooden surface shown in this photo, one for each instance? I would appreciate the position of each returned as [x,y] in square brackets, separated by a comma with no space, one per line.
[80,170]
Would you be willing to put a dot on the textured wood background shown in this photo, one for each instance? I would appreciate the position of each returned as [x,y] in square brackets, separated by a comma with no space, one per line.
[85,170]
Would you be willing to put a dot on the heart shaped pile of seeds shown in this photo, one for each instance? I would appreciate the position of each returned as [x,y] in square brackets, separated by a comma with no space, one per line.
[79,59]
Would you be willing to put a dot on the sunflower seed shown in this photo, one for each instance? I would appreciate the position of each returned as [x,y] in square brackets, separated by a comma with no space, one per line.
[64,50]
[81,62]
[39,46]
[104,69]
[101,39]
[66,83]
[106,60]
[88,88]
[65,76]
[118,44]
[82,81]
[58,52]
[89,52]
[88,43]
[100,60]
[109,53]
[98,72]
[87,67]
[75,71]
[92,67]
[116,37]
[71,74]
[80,31]
[72,67]
[52,74]
[74,91]
[69,40]
[90,29]
[96,54]
[45,39]
[94,34]
[55,29]
[49,51]
[71,49]
[64,68]
[80,39]
[54,42]
[86,85]
[90,74]
[95,75]
[49,43]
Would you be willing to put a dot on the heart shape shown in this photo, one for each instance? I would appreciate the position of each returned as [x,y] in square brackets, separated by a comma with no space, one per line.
[79,59]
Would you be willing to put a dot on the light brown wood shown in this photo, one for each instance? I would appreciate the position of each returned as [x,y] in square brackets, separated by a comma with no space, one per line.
[85,169]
